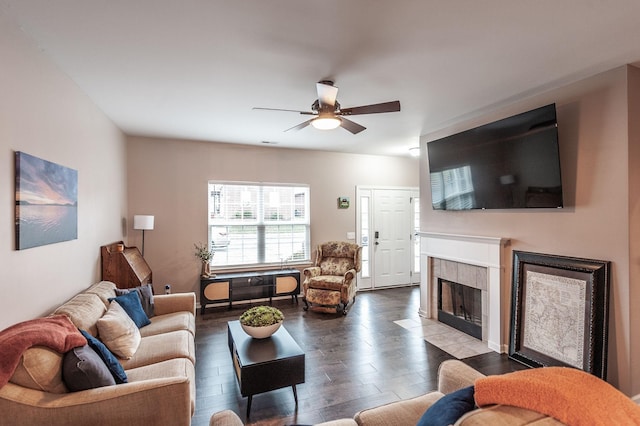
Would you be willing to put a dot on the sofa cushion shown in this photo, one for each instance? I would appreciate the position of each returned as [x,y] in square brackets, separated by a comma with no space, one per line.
[83,369]
[131,304]
[40,368]
[170,322]
[177,367]
[107,357]
[104,290]
[448,409]
[84,310]
[118,332]
[175,344]
[145,292]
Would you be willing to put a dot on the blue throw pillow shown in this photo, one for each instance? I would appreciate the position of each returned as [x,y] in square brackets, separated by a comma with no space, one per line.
[448,409]
[145,292]
[130,302]
[109,359]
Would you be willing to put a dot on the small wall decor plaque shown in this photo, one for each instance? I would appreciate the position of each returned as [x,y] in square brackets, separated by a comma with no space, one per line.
[343,202]
[46,201]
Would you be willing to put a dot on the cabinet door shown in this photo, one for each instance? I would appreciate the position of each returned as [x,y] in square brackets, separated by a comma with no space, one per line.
[286,285]
[217,291]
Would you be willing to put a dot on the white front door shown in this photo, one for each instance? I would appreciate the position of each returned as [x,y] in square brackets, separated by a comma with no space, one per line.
[392,237]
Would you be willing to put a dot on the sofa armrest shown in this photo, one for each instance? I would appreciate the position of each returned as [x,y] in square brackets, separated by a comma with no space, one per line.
[403,412]
[454,374]
[176,302]
[225,418]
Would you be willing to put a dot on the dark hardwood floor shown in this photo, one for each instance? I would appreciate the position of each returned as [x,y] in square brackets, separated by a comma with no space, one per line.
[353,362]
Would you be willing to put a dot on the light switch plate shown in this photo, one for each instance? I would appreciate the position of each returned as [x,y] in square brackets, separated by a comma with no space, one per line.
[351,235]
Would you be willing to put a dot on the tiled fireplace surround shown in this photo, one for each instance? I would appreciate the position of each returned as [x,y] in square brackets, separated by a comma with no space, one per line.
[468,260]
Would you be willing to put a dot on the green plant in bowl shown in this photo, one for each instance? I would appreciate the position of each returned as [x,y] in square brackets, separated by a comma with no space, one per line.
[261,322]
[261,316]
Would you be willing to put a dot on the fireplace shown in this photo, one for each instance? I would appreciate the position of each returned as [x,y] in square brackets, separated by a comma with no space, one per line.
[460,306]
[470,260]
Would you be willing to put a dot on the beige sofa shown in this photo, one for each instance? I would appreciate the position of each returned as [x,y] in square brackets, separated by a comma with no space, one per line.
[452,375]
[589,400]
[161,373]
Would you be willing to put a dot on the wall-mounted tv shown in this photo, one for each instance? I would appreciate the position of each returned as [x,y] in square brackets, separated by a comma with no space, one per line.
[512,163]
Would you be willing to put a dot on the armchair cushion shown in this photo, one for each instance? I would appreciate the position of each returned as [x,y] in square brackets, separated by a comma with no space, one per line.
[335,265]
[327,282]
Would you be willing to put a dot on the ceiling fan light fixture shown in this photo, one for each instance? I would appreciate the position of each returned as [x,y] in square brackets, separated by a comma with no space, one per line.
[326,123]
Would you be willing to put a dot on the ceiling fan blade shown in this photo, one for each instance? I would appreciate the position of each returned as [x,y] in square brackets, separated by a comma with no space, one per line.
[393,106]
[351,126]
[327,93]
[301,125]
[285,110]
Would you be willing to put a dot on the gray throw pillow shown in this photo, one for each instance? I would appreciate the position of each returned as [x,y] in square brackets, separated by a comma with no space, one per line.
[82,368]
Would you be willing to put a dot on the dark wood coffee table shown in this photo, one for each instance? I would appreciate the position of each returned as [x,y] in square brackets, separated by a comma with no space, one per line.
[264,365]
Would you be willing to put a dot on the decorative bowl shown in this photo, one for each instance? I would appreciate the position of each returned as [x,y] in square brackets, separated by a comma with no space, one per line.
[261,332]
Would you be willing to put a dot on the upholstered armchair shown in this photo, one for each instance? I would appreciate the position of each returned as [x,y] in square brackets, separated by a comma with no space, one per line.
[331,283]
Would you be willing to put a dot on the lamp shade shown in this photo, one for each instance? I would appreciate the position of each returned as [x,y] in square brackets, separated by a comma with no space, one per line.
[144,222]
[326,123]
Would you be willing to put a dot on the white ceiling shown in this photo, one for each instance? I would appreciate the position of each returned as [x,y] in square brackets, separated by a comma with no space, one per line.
[194,69]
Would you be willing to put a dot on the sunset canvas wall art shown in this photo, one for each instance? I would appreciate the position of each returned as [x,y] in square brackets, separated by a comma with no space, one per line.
[46,202]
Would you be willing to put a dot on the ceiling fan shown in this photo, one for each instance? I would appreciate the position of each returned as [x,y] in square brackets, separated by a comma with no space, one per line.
[328,114]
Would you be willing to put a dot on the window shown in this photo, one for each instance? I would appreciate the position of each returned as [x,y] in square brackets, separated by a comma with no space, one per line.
[256,224]
[364,232]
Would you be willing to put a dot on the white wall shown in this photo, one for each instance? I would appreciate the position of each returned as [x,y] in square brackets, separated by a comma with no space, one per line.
[43,113]
[168,178]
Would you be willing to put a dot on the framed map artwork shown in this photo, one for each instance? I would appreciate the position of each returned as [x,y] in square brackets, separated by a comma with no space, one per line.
[560,312]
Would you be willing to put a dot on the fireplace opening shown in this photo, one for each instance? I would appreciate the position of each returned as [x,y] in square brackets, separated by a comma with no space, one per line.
[460,307]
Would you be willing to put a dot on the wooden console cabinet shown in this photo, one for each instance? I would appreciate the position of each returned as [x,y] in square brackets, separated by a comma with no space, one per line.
[124,266]
[249,285]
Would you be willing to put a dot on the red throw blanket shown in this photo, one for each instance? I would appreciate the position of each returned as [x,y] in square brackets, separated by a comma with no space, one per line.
[569,395]
[56,332]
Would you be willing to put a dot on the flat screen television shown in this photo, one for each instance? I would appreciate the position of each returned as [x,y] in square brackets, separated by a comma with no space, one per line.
[512,163]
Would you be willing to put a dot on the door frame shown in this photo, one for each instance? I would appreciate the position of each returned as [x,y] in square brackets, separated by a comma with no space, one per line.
[366,275]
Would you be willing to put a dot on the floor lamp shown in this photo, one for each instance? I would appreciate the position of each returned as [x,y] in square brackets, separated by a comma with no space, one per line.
[144,223]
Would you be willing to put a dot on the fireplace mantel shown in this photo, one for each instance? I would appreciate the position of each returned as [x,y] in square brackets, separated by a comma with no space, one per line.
[473,250]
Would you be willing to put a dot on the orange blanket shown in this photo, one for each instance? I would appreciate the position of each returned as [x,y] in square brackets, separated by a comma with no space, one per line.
[55,332]
[569,395]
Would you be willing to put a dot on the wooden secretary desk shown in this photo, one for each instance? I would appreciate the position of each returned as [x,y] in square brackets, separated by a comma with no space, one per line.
[124,266]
